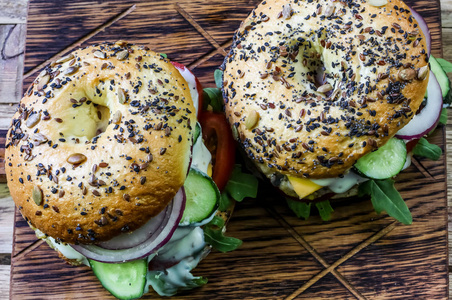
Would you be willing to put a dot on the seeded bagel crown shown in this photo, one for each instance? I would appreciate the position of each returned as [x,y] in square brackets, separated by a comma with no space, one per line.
[312,86]
[100,142]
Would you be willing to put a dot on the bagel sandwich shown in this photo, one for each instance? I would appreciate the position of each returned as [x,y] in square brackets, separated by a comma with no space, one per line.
[328,96]
[105,160]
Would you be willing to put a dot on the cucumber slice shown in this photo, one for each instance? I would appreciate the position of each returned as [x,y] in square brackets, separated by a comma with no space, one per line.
[441,76]
[384,163]
[197,132]
[124,281]
[202,195]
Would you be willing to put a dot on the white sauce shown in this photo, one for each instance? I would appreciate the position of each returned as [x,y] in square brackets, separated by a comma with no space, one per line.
[186,246]
[189,251]
[341,184]
[201,156]
[407,161]
[64,249]
[190,78]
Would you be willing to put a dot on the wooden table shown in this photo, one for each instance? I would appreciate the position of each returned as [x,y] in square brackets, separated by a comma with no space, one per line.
[12,31]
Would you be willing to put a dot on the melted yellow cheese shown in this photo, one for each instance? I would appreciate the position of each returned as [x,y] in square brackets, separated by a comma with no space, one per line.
[209,170]
[303,187]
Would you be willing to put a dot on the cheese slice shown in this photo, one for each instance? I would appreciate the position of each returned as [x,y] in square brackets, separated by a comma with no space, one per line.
[303,187]
[209,170]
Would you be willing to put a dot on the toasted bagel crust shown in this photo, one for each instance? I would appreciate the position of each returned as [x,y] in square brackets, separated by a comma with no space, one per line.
[374,80]
[100,142]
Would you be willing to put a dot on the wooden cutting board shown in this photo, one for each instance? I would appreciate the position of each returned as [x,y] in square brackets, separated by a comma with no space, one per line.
[356,255]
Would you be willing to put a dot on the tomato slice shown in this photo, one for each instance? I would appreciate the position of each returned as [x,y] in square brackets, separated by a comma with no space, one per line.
[218,138]
[411,144]
[183,68]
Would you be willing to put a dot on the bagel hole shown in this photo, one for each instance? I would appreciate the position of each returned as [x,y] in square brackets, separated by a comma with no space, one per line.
[317,74]
[84,121]
[103,115]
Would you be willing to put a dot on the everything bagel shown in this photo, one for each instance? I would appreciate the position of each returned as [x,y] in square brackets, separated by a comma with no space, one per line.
[312,86]
[100,142]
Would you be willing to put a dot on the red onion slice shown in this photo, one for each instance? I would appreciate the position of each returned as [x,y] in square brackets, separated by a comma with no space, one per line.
[428,118]
[424,28]
[149,246]
[195,92]
[193,84]
[142,234]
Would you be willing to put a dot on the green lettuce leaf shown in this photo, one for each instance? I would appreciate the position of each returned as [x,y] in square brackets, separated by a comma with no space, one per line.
[225,202]
[241,185]
[218,76]
[443,117]
[385,197]
[324,209]
[301,209]
[214,98]
[213,234]
[424,149]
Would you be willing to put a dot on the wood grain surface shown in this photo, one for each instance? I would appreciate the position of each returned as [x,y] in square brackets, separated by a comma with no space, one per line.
[357,255]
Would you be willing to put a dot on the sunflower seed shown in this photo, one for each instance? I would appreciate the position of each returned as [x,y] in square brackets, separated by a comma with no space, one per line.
[33,120]
[70,70]
[329,11]
[121,96]
[43,81]
[421,73]
[37,195]
[64,59]
[407,74]
[99,54]
[324,88]
[122,55]
[252,119]
[39,137]
[378,3]
[43,73]
[287,11]
[76,159]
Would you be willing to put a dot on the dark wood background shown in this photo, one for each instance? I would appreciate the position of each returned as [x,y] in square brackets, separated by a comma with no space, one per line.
[357,255]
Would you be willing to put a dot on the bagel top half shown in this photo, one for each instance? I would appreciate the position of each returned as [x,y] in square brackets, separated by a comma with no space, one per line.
[100,142]
[297,121]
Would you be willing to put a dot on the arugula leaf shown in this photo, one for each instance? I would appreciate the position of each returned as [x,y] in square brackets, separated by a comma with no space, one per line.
[213,97]
[424,149]
[448,99]
[385,197]
[443,117]
[188,282]
[218,75]
[325,209]
[301,209]
[217,222]
[194,283]
[225,202]
[445,65]
[241,185]
[214,236]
